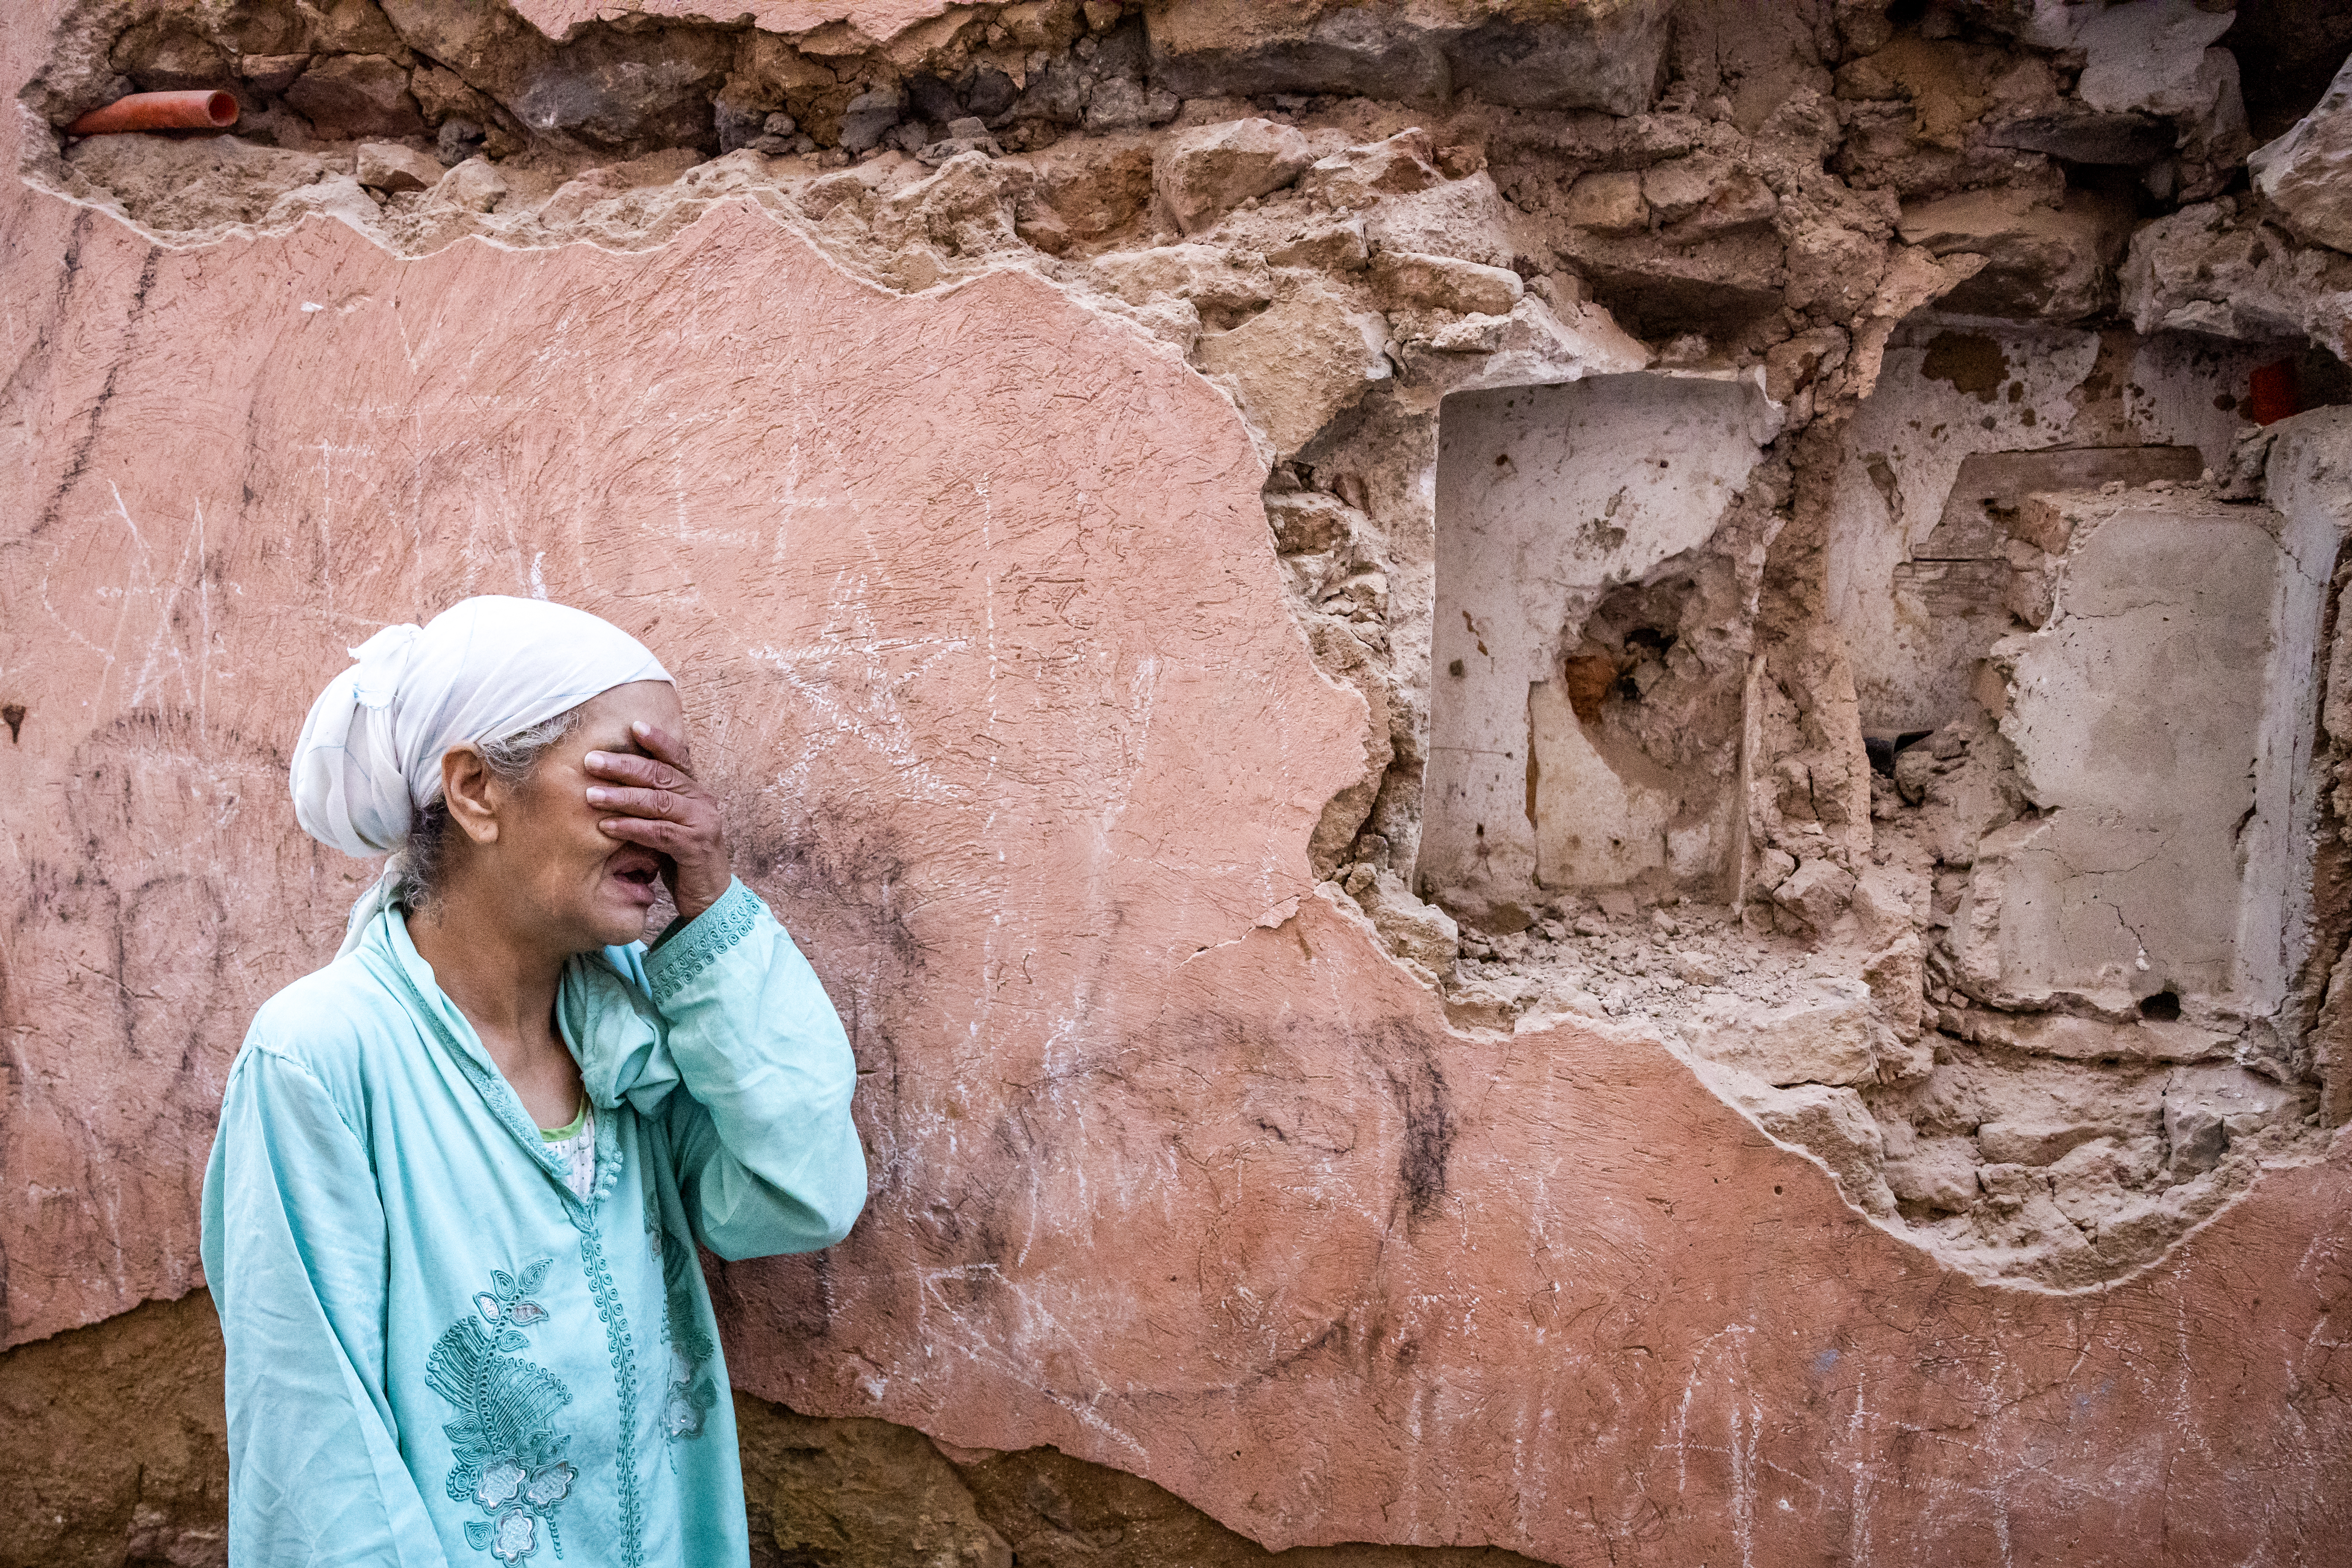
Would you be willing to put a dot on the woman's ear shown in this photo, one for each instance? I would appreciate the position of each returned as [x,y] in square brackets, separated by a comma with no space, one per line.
[468,786]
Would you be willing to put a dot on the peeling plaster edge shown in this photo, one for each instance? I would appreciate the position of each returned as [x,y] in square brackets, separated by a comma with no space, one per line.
[10,1342]
[1952,1262]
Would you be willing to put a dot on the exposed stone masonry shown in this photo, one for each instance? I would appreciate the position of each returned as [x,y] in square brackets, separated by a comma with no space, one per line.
[1832,225]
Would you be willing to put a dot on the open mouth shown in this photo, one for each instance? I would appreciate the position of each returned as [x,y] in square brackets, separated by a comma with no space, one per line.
[640,868]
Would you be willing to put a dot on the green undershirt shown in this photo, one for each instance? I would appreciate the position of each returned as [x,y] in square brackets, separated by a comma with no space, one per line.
[558,1134]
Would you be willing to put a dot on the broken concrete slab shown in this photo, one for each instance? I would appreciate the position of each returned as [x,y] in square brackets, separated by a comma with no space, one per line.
[2139,720]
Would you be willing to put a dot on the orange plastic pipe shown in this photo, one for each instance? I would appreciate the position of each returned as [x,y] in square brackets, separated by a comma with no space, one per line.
[200,110]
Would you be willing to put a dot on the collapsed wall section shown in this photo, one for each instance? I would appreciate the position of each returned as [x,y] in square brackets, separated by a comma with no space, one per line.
[1684,660]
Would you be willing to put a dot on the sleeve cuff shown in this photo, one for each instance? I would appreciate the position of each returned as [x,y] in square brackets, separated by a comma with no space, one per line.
[689,947]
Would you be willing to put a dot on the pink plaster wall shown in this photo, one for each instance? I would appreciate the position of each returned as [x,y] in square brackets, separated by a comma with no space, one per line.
[981,636]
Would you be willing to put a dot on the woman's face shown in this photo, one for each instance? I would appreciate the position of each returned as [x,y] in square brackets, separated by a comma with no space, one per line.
[587,889]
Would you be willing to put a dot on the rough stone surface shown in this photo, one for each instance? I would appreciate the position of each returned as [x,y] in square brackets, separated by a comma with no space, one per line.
[2042,261]
[1602,55]
[356,95]
[1441,283]
[1828,1035]
[1299,363]
[115,1444]
[388,167]
[2303,173]
[1204,174]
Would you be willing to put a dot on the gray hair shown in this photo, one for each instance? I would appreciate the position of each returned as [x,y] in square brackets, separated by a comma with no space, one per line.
[425,858]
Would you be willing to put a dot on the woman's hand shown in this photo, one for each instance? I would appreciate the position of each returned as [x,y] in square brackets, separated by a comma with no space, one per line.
[664,809]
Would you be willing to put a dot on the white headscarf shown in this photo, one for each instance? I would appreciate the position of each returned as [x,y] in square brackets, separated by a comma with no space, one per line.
[483,669]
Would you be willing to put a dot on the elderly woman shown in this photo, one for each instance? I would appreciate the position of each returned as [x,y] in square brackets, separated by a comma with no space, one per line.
[451,1216]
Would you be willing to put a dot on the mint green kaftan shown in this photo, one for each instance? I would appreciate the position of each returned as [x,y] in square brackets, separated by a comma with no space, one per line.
[437,1354]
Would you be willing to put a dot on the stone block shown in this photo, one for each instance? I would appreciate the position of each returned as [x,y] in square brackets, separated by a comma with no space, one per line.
[1123,103]
[1298,363]
[271,73]
[474,185]
[1879,906]
[1091,188]
[1704,196]
[2153,57]
[2245,1103]
[871,115]
[1306,521]
[389,166]
[1212,279]
[1897,975]
[1829,1035]
[1466,219]
[1489,1004]
[1414,930]
[1816,893]
[2070,1039]
[1332,247]
[1836,1125]
[1407,280]
[2056,262]
[1699,968]
[2306,174]
[1938,1172]
[1604,54]
[1203,173]
[356,95]
[1609,204]
[2194,1139]
[1398,165]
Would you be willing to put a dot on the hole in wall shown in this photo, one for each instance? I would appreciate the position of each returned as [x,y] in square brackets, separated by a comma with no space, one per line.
[1595,634]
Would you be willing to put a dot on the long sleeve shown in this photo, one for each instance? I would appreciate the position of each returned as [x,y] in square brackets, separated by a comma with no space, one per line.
[295,1249]
[768,1160]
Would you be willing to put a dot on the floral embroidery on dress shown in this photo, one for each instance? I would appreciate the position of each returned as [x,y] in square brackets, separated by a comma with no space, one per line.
[510,1456]
[504,1302]
[691,1391]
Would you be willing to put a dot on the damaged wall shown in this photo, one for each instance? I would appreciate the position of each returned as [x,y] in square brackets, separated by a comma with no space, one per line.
[1421,980]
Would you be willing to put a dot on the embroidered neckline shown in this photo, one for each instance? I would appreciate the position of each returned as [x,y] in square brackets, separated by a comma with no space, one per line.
[498,1095]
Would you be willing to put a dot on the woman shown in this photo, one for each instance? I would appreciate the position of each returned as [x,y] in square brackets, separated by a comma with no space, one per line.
[451,1213]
